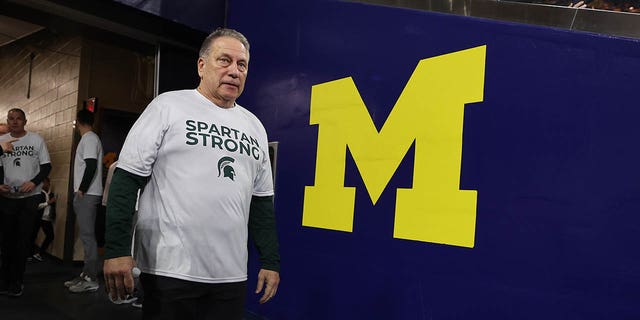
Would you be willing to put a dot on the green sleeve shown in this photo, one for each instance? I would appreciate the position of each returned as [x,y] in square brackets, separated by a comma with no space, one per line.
[121,205]
[89,173]
[262,229]
[45,169]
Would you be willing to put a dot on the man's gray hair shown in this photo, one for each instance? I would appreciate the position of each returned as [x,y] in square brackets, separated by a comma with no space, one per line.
[222,32]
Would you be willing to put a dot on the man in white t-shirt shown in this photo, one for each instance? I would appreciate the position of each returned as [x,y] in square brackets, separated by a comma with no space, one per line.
[202,161]
[87,185]
[21,174]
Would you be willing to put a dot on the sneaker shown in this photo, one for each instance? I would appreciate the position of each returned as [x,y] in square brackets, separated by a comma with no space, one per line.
[128,299]
[86,285]
[15,290]
[137,304]
[74,281]
[38,257]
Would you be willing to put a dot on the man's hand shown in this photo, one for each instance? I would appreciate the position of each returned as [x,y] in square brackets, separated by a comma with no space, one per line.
[7,146]
[80,194]
[269,280]
[28,186]
[118,278]
[4,188]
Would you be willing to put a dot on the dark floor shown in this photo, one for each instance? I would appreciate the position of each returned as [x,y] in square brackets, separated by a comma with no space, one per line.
[46,297]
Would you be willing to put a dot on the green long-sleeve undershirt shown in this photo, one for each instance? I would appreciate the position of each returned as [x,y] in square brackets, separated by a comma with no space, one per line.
[121,207]
[262,229]
[91,166]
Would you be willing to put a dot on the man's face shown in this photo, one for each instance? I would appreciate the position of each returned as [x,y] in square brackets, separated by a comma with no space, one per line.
[223,71]
[16,122]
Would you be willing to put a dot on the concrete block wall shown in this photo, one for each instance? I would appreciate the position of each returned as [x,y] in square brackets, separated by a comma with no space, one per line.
[50,103]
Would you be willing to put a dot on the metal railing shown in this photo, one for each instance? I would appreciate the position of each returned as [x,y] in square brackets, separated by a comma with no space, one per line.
[590,20]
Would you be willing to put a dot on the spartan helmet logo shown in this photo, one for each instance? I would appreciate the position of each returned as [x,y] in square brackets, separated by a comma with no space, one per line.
[225,169]
[16,162]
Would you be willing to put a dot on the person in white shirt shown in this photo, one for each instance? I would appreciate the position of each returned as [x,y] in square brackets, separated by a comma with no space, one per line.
[47,213]
[202,161]
[87,184]
[21,174]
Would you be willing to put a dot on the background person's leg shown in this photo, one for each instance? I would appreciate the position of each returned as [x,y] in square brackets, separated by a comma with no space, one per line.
[47,228]
[26,219]
[9,216]
[85,208]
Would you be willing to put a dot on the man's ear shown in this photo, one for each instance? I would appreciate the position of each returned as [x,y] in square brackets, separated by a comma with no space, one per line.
[201,64]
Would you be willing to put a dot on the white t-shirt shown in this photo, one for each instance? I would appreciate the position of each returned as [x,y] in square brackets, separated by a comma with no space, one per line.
[23,164]
[46,207]
[89,147]
[205,163]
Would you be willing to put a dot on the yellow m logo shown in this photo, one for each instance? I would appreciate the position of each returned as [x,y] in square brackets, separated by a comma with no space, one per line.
[430,111]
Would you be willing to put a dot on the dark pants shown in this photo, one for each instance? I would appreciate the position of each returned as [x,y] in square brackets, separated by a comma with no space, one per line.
[36,228]
[169,298]
[18,217]
[47,228]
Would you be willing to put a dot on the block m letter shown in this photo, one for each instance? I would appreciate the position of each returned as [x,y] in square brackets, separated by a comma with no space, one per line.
[429,111]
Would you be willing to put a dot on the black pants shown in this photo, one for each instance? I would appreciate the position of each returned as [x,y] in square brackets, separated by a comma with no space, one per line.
[18,218]
[47,228]
[36,228]
[169,298]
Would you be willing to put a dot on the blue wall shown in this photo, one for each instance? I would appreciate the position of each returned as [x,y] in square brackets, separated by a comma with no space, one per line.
[551,150]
